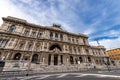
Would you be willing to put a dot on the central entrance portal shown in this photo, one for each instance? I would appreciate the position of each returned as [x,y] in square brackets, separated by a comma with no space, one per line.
[55,59]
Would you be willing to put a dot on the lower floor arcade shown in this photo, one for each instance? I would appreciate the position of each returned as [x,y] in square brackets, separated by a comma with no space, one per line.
[51,58]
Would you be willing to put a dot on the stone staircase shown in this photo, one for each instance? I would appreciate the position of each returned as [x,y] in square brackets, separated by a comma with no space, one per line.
[25,65]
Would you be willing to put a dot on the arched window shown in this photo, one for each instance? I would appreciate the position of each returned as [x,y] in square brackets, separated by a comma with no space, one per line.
[17,56]
[56,35]
[37,47]
[29,46]
[26,33]
[40,35]
[35,58]
[51,35]
[80,58]
[76,60]
[87,51]
[12,28]
[89,59]
[33,34]
[97,62]
[55,46]
[71,60]
[84,41]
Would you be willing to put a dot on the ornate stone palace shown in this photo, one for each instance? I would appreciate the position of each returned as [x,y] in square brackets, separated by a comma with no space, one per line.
[34,45]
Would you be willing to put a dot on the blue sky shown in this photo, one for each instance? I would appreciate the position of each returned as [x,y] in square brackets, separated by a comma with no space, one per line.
[99,19]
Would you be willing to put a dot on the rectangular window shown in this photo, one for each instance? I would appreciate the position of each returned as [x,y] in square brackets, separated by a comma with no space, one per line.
[21,46]
[79,50]
[29,47]
[51,35]
[69,39]
[87,51]
[56,35]
[40,35]
[26,33]
[3,43]
[12,28]
[73,40]
[36,47]
[33,34]
[84,41]
[76,40]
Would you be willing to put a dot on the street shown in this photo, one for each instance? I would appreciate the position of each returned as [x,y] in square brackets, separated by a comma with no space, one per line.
[70,76]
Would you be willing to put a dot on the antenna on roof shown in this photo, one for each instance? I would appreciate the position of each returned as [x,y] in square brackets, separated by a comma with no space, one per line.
[98,42]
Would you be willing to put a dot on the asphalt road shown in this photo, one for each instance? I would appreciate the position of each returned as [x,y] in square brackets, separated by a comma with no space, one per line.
[71,76]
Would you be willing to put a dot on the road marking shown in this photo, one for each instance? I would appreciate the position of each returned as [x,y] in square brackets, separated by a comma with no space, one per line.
[81,75]
[26,77]
[62,75]
[99,75]
[43,77]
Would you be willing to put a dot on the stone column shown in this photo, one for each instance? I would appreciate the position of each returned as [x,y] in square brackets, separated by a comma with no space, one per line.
[7,57]
[59,37]
[52,59]
[93,60]
[21,58]
[2,55]
[25,45]
[37,32]
[43,60]
[77,50]
[43,46]
[9,42]
[40,59]
[67,60]
[12,55]
[34,44]
[84,59]
[83,52]
[23,30]
[15,43]
[74,60]
[53,36]
[59,59]
[30,32]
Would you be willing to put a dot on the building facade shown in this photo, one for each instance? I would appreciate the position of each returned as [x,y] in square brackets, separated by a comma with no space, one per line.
[114,55]
[46,45]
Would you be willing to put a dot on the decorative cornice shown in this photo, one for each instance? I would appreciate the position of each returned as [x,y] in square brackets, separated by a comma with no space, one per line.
[24,22]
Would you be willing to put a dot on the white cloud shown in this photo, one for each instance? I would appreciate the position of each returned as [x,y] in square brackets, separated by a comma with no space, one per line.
[9,9]
[109,44]
[88,31]
[45,16]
